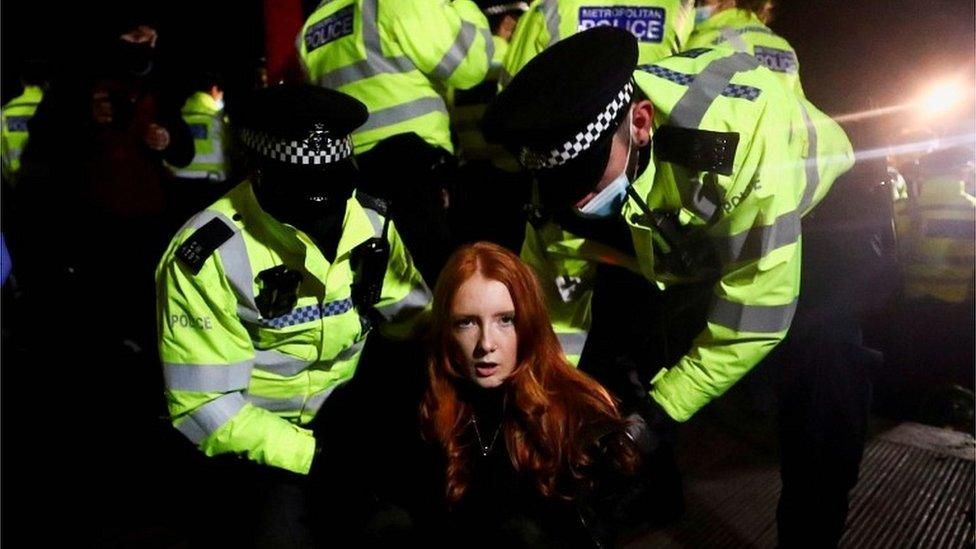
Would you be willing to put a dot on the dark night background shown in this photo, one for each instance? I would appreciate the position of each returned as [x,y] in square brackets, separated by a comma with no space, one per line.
[854,55]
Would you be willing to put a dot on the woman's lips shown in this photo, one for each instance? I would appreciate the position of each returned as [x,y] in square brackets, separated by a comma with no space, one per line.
[485,369]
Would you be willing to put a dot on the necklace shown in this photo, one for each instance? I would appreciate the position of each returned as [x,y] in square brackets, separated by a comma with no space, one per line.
[485,448]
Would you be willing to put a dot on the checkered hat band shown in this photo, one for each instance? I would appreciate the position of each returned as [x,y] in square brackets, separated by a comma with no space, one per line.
[582,140]
[302,153]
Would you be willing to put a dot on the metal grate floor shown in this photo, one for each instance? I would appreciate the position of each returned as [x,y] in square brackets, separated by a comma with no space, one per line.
[916,489]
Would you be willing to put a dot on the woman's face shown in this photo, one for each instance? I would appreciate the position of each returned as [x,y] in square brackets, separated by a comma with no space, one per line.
[483,331]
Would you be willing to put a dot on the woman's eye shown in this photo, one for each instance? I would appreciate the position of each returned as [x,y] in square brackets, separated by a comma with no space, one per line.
[508,320]
[463,323]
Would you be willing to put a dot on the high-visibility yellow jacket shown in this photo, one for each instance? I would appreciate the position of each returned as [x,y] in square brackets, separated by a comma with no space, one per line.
[937,238]
[395,57]
[660,26]
[13,129]
[826,150]
[749,222]
[206,122]
[237,382]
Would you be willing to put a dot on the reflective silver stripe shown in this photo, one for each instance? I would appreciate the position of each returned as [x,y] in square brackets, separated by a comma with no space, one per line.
[810,163]
[279,363]
[733,38]
[403,112]
[207,378]
[707,85]
[418,298]
[194,174]
[550,10]
[504,78]
[457,52]
[756,242]
[206,419]
[375,220]
[700,199]
[489,46]
[763,319]
[371,31]
[291,404]
[375,62]
[572,343]
[371,66]
[318,399]
[237,267]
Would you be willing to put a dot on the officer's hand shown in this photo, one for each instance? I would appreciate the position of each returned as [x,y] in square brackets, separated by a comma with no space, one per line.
[650,427]
[156,137]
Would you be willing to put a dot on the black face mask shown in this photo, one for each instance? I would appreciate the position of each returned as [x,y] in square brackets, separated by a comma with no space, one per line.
[313,201]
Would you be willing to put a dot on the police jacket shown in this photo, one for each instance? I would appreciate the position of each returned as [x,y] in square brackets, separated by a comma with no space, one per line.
[742,223]
[826,150]
[394,56]
[13,128]
[661,26]
[238,381]
[935,229]
[206,122]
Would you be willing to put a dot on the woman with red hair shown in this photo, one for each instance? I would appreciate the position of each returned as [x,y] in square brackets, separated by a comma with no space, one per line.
[535,450]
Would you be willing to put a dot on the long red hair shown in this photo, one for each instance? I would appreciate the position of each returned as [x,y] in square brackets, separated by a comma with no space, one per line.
[549,401]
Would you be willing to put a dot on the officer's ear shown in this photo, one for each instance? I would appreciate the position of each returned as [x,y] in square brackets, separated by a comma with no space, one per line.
[643,118]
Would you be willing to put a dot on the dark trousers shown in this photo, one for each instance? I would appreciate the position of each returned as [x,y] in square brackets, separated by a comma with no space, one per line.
[824,398]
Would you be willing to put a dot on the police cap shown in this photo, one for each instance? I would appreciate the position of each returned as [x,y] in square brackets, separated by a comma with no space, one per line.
[298,125]
[559,114]
[498,7]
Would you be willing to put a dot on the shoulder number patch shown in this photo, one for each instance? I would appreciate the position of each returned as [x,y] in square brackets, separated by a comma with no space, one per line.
[194,252]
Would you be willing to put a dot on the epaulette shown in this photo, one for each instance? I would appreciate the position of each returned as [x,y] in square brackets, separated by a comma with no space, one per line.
[378,205]
[698,150]
[202,243]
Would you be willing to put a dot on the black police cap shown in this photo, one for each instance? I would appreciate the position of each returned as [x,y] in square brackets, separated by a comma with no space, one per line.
[298,124]
[560,111]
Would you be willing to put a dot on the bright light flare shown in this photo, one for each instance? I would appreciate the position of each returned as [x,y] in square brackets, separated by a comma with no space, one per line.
[941,98]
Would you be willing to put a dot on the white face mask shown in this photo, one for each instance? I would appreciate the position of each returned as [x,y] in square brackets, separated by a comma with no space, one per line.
[703,13]
[608,201]
[220,103]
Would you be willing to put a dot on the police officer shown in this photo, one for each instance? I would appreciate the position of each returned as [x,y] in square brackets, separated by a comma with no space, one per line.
[395,57]
[265,300]
[821,369]
[661,27]
[14,117]
[203,180]
[709,214]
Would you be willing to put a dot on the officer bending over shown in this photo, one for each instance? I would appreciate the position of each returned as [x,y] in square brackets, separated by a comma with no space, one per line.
[265,301]
[708,216]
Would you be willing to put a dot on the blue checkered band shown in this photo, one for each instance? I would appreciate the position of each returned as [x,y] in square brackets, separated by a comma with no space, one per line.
[309,313]
[317,149]
[739,91]
[668,74]
[735,91]
[693,53]
[583,140]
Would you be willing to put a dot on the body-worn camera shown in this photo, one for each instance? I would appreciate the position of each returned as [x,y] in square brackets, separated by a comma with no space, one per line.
[279,291]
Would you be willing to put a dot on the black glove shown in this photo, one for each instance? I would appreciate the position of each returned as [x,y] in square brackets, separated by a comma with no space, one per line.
[649,426]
